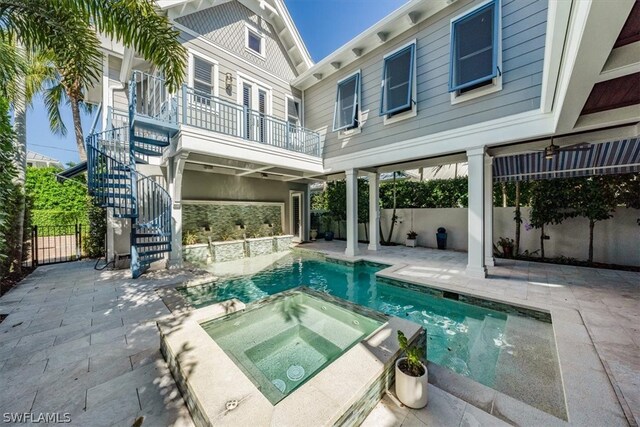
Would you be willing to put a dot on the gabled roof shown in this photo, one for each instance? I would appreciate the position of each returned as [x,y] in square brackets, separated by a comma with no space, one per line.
[273,11]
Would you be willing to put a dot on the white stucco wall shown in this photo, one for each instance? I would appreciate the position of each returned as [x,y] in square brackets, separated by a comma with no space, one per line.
[616,241]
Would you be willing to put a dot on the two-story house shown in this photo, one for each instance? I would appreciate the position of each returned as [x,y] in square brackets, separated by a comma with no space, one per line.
[508,86]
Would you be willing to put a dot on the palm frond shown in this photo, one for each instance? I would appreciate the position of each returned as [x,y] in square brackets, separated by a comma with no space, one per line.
[53,98]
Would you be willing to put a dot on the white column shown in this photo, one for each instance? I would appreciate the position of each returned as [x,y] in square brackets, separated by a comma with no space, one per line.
[475,257]
[488,211]
[352,212]
[175,170]
[374,212]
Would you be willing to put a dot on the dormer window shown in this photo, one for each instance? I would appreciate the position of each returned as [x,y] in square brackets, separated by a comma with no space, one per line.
[346,113]
[475,50]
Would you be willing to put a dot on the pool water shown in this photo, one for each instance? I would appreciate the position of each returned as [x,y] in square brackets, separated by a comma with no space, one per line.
[513,354]
[282,343]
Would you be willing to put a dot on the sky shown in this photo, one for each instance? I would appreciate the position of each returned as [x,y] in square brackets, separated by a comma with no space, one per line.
[324,25]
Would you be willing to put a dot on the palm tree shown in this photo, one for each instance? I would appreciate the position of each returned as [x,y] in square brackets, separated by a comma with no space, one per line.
[22,74]
[67,30]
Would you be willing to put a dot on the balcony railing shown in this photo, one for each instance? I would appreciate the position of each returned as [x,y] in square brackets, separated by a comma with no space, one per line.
[205,111]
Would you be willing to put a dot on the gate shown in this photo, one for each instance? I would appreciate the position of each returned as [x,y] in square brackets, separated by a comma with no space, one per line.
[53,244]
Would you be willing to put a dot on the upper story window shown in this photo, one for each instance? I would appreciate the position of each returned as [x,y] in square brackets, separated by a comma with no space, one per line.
[203,76]
[475,49]
[399,82]
[254,41]
[347,106]
[294,112]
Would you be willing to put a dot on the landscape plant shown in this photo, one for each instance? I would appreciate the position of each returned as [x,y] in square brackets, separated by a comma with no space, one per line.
[412,365]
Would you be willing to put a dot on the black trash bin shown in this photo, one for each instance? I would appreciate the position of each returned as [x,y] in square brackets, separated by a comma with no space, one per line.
[441,237]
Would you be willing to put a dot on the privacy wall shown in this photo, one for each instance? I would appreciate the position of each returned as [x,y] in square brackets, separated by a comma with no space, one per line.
[615,240]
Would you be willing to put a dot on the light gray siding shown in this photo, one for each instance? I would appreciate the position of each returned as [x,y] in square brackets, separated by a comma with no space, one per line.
[523,37]
[224,26]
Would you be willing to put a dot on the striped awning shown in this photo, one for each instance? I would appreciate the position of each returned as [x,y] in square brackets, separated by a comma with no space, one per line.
[613,157]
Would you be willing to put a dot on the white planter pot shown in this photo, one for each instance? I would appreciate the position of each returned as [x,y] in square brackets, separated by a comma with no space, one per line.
[412,391]
[411,243]
[313,233]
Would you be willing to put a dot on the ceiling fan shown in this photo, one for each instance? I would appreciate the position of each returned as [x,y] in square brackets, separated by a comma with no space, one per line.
[552,150]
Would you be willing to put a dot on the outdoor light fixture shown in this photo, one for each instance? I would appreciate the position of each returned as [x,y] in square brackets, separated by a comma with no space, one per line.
[550,151]
[228,81]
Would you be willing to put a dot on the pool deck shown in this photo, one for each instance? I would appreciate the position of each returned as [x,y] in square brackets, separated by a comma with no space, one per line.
[86,342]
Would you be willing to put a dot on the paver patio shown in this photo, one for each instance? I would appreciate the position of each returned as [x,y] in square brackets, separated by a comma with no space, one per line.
[85,342]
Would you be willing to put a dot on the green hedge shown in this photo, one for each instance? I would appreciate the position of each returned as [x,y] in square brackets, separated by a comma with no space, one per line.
[48,217]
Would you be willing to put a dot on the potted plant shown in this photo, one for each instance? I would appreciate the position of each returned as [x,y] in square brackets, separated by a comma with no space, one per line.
[507,246]
[314,234]
[411,375]
[327,222]
[412,237]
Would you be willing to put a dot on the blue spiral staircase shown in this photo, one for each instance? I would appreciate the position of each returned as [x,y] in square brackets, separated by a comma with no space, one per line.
[114,182]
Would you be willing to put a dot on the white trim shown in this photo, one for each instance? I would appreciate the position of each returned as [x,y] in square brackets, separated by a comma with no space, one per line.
[300,195]
[512,128]
[235,56]
[257,84]
[413,112]
[200,141]
[286,109]
[351,131]
[248,29]
[191,70]
[496,84]
[558,13]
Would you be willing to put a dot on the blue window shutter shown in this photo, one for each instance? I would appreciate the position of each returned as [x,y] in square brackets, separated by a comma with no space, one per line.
[402,87]
[347,103]
[468,55]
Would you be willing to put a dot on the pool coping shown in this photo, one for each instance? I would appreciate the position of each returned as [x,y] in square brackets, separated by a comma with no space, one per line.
[589,389]
[197,363]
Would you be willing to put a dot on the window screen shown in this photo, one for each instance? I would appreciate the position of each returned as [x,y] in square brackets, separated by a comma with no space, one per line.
[346,109]
[397,81]
[474,48]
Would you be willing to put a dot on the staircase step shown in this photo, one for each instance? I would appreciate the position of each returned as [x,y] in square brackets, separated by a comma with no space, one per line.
[151,254]
[148,244]
[146,151]
[114,195]
[151,141]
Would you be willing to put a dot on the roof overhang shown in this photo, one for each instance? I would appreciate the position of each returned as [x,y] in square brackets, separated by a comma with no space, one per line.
[273,11]
[385,30]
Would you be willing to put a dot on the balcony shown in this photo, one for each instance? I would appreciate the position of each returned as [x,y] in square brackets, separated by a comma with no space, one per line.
[157,110]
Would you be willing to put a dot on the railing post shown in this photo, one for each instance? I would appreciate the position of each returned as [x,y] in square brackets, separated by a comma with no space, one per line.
[34,246]
[184,103]
[245,122]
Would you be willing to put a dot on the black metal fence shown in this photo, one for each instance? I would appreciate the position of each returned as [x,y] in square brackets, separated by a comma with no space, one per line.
[52,244]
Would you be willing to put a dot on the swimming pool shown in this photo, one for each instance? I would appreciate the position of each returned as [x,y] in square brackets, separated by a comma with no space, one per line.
[510,353]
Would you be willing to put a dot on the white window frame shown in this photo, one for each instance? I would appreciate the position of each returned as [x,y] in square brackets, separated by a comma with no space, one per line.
[191,73]
[356,129]
[251,29]
[256,85]
[286,109]
[413,112]
[496,85]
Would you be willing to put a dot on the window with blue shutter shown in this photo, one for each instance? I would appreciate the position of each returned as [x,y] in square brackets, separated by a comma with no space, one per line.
[474,48]
[345,115]
[397,81]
